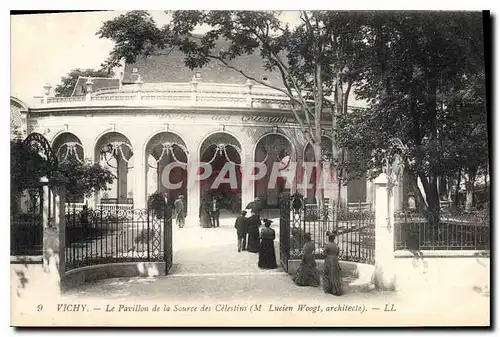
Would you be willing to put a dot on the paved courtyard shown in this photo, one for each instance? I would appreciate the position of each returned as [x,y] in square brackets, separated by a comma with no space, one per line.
[208,267]
[208,264]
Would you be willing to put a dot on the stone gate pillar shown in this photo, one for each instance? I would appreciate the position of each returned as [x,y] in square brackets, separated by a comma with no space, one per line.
[53,222]
[89,154]
[385,277]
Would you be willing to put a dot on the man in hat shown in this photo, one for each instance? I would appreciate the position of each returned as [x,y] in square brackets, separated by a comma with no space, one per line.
[241,231]
[179,211]
[215,212]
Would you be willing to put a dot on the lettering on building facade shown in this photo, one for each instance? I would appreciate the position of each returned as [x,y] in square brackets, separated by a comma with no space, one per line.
[264,119]
[227,118]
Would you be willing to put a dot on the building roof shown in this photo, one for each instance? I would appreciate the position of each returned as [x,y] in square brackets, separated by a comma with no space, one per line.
[99,83]
[171,68]
[157,69]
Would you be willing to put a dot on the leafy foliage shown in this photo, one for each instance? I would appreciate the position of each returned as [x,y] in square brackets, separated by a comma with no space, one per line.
[305,56]
[424,78]
[422,74]
[27,166]
[79,179]
[83,179]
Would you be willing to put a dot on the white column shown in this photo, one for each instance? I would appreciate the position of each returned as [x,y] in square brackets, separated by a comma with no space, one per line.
[89,153]
[343,194]
[122,184]
[60,225]
[247,184]
[385,276]
[193,191]
[139,170]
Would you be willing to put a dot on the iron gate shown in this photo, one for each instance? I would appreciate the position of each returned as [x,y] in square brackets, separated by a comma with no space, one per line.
[26,237]
[168,251]
[118,235]
[354,224]
[284,232]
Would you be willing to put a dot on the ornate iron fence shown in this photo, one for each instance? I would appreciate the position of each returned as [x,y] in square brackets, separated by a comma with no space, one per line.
[79,206]
[26,229]
[108,236]
[459,231]
[355,229]
[26,234]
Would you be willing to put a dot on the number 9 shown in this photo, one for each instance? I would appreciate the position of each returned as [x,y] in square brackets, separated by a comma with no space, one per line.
[39,307]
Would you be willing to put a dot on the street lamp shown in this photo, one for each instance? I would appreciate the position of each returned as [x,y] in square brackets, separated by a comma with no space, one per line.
[394,166]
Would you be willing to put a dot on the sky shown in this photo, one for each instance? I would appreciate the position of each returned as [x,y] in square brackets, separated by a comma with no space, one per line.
[45,47]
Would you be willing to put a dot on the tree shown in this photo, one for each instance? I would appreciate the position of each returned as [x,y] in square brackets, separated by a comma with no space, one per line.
[27,166]
[83,179]
[313,58]
[65,89]
[79,179]
[424,78]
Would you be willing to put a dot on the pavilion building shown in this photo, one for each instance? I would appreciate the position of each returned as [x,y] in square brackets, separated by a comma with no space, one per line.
[157,112]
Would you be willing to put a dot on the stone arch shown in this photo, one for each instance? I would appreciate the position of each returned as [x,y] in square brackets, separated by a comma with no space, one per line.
[292,144]
[272,148]
[223,152]
[114,150]
[166,150]
[326,144]
[176,137]
[224,135]
[66,146]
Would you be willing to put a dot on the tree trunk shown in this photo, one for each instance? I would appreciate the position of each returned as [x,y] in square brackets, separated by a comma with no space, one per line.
[486,191]
[432,198]
[469,190]
[419,199]
[457,189]
[318,177]
[339,177]
[318,114]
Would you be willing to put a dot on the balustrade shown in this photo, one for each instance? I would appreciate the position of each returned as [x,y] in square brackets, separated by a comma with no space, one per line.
[204,94]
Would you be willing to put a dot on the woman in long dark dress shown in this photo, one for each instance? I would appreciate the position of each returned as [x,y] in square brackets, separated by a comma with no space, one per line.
[204,215]
[253,234]
[267,255]
[332,283]
[307,273]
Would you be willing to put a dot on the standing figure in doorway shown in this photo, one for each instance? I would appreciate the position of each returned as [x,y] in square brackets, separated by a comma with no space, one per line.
[267,255]
[166,199]
[179,211]
[255,207]
[204,214]
[215,212]
[241,230]
[308,273]
[253,233]
[331,278]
